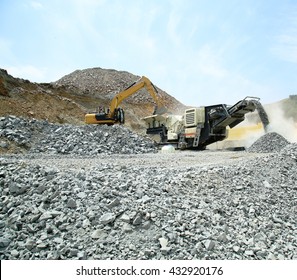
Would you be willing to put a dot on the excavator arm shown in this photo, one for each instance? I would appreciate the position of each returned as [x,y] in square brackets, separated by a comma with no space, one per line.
[116,114]
[136,86]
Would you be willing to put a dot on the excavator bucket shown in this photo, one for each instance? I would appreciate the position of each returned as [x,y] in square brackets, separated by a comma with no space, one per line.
[160,110]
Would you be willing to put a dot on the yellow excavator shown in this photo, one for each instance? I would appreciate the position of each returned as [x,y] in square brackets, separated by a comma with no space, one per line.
[116,115]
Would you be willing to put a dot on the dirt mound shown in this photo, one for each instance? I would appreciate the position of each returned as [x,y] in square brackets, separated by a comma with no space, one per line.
[269,143]
[22,98]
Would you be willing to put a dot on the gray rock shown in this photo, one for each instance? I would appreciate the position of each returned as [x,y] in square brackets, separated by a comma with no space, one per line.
[15,253]
[73,252]
[249,253]
[45,216]
[81,195]
[107,218]
[71,203]
[4,242]
[86,223]
[137,220]
[3,145]
[127,228]
[146,225]
[30,244]
[98,233]
[164,248]
[236,249]
[125,218]
[222,237]
[82,255]
[114,203]
[58,240]
[209,244]
[42,245]
[17,189]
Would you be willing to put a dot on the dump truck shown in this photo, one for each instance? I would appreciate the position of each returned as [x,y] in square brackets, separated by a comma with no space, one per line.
[116,115]
[201,126]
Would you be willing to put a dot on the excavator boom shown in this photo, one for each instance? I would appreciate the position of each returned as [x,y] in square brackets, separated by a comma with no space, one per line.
[136,86]
[116,114]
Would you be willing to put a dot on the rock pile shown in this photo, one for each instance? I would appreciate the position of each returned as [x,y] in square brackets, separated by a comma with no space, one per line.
[43,137]
[269,143]
[106,83]
[127,211]
[97,81]
[54,206]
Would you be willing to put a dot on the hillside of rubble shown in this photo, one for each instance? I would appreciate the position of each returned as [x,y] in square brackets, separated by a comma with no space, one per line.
[71,97]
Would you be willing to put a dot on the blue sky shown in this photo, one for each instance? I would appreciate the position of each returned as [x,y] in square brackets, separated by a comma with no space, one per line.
[202,52]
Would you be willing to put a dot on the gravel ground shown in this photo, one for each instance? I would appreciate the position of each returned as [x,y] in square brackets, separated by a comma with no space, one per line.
[184,205]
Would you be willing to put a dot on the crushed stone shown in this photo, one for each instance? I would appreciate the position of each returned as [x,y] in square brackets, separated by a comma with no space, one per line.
[268,143]
[66,204]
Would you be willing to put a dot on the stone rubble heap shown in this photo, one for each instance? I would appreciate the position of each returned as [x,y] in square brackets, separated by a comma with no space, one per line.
[87,140]
[105,83]
[269,143]
[120,209]
[97,80]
